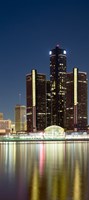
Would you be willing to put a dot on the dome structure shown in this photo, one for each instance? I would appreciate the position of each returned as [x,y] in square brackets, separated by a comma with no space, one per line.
[54,130]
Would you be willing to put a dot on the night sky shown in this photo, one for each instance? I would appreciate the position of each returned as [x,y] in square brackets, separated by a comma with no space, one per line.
[28,30]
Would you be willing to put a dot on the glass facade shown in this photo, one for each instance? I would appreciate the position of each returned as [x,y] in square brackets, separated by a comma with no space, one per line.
[70,101]
[58,86]
[20,118]
[76,100]
[36,101]
[48,104]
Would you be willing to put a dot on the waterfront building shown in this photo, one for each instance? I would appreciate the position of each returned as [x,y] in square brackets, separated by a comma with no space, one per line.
[76,100]
[13,127]
[20,118]
[48,104]
[36,101]
[58,86]
[5,126]
[54,131]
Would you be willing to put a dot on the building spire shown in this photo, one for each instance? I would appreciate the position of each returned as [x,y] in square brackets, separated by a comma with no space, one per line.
[19,98]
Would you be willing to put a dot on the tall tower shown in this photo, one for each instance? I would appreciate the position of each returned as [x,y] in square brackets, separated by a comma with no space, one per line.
[48,104]
[36,101]
[76,100]
[58,86]
[20,118]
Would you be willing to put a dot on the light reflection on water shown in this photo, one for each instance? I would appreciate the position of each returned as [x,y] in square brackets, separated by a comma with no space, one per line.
[44,171]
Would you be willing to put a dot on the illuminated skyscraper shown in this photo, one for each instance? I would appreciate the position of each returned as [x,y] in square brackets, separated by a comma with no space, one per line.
[20,118]
[36,101]
[76,100]
[48,104]
[58,86]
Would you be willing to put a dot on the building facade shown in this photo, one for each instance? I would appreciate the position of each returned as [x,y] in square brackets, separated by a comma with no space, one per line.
[36,101]
[48,104]
[58,86]
[20,118]
[5,126]
[76,100]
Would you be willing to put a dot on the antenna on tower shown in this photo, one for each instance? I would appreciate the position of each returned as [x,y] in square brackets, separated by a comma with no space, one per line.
[19,98]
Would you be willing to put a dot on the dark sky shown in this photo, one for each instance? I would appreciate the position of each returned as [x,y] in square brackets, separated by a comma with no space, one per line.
[28,30]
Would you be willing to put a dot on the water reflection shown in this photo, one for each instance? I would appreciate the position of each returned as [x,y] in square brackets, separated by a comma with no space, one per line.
[48,171]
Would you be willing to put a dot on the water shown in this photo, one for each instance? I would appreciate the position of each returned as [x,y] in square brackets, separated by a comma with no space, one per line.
[44,171]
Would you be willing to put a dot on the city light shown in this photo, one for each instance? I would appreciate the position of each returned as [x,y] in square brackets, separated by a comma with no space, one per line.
[64,52]
[50,52]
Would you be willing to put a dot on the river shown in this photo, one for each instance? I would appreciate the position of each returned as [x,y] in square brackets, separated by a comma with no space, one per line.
[44,171]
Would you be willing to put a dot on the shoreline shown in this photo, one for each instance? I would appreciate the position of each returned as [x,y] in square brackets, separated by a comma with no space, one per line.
[45,140]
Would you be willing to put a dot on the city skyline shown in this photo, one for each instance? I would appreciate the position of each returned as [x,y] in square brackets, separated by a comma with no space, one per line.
[28,31]
[61,101]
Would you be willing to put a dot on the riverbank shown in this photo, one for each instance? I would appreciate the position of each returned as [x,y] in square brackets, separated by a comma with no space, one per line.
[18,139]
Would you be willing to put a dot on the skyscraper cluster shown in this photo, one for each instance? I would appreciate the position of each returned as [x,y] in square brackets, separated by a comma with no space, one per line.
[61,101]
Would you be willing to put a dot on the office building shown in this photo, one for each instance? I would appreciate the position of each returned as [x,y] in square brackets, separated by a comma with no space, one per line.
[36,101]
[58,86]
[5,126]
[48,104]
[20,118]
[76,100]
[13,127]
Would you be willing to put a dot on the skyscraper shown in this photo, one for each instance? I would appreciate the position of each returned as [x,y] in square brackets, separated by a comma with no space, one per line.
[48,104]
[76,100]
[58,86]
[20,118]
[36,101]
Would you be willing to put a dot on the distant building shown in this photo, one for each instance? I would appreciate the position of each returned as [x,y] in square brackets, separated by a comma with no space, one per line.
[48,104]
[76,100]
[5,126]
[20,118]
[1,116]
[36,101]
[58,86]
[13,127]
